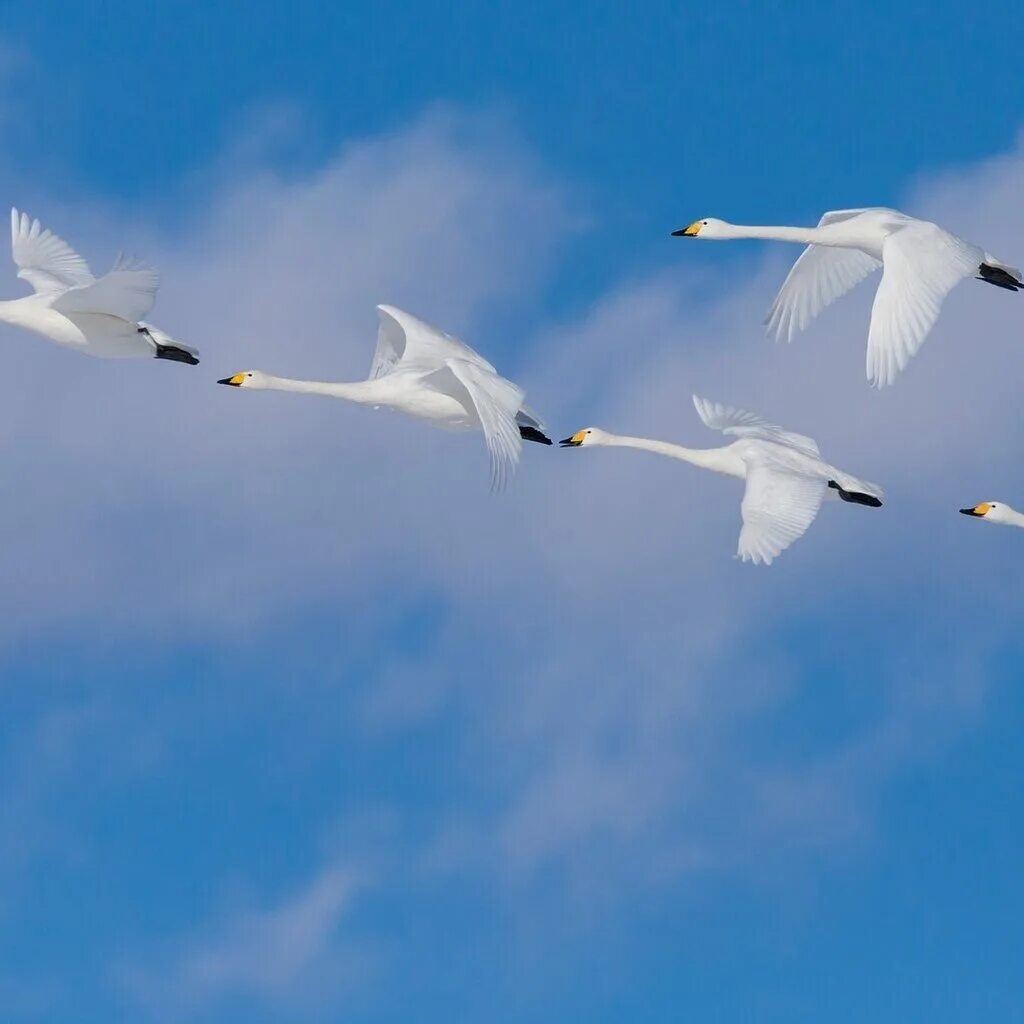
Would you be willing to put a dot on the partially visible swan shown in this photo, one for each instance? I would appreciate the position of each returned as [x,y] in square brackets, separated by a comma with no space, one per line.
[921,263]
[785,475]
[100,316]
[426,373]
[995,512]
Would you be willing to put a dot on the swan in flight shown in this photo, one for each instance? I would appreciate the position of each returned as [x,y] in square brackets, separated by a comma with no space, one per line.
[921,263]
[101,316]
[995,512]
[786,478]
[426,373]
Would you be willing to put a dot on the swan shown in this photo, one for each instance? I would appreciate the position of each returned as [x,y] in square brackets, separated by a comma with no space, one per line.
[921,263]
[420,370]
[995,512]
[786,478]
[100,316]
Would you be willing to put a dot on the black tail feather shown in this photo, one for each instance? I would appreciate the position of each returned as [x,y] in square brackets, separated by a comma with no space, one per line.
[533,434]
[999,277]
[856,497]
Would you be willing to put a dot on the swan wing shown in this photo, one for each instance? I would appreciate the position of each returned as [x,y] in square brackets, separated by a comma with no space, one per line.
[497,401]
[835,216]
[127,292]
[778,506]
[43,259]
[739,423]
[390,343]
[922,264]
[820,275]
[404,337]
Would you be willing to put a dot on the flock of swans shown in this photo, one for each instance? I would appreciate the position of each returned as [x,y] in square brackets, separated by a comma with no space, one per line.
[423,372]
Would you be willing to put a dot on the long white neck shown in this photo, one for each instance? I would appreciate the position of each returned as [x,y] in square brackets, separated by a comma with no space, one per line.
[805,236]
[1013,517]
[18,311]
[707,458]
[364,391]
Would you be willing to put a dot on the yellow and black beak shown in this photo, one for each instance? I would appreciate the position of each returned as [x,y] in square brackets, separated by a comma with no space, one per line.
[573,442]
[979,510]
[690,231]
[235,381]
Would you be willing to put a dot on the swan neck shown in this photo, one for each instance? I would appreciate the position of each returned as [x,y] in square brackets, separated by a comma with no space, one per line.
[353,391]
[12,311]
[804,236]
[707,458]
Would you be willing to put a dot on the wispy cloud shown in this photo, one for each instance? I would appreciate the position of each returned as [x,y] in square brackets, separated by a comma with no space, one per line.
[292,953]
[632,703]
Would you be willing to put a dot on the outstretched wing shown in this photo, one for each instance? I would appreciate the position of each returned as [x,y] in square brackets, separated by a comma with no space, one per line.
[127,291]
[496,401]
[402,336]
[739,423]
[922,264]
[820,276]
[777,508]
[43,259]
[390,343]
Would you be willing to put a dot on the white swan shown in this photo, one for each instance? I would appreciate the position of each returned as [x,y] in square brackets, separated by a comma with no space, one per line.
[426,373]
[100,316]
[921,263]
[995,512]
[785,475]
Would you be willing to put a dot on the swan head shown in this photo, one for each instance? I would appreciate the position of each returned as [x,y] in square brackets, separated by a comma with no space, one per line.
[993,511]
[246,379]
[586,436]
[707,227]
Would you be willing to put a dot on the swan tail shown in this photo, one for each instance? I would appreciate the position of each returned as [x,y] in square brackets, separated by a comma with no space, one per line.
[1001,276]
[858,492]
[528,433]
[165,347]
[530,426]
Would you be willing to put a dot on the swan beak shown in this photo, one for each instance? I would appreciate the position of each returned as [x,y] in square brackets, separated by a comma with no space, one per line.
[690,231]
[978,510]
[572,442]
[235,382]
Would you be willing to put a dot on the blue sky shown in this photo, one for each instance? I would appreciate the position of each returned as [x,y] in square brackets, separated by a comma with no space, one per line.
[301,723]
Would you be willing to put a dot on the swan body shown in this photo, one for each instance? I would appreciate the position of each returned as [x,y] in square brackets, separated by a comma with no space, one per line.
[995,512]
[98,316]
[786,478]
[423,372]
[920,262]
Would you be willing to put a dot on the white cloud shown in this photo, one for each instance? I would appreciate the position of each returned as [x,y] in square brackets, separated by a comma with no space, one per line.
[292,954]
[619,678]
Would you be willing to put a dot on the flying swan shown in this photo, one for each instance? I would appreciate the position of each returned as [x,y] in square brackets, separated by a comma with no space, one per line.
[786,477]
[921,263]
[994,512]
[100,316]
[426,373]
